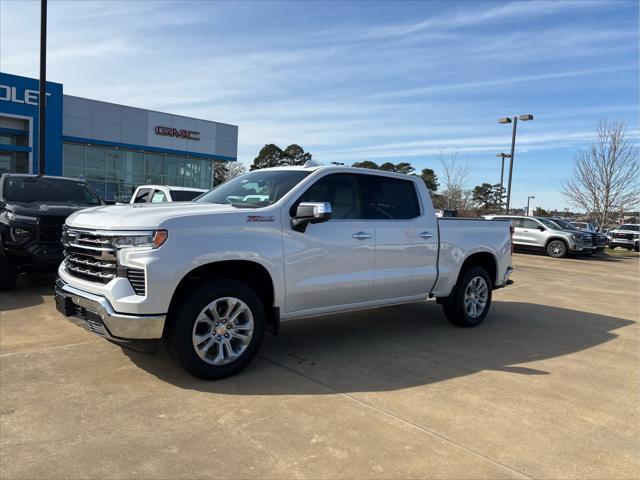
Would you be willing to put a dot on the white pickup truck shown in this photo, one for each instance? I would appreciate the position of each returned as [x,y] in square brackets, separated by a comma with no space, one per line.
[209,277]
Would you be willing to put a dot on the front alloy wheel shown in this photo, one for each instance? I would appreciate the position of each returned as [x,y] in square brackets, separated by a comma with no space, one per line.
[223,330]
[215,330]
[557,249]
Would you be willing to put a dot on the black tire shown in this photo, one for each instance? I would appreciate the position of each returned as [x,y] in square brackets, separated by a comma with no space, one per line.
[611,247]
[8,272]
[557,249]
[455,309]
[179,335]
[636,247]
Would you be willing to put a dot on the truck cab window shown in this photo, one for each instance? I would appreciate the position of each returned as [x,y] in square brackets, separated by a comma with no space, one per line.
[143,195]
[158,197]
[341,190]
[391,199]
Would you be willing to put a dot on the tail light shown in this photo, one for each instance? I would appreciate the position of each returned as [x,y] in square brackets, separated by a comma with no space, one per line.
[511,230]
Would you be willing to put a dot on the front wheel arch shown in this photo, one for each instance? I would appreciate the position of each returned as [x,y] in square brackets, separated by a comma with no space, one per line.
[557,239]
[253,274]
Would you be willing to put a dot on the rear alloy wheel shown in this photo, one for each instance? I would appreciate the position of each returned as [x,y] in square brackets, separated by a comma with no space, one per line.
[471,300]
[217,329]
[557,249]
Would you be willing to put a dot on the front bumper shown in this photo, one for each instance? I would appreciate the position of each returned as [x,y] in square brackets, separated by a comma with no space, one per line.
[96,314]
[582,248]
[622,242]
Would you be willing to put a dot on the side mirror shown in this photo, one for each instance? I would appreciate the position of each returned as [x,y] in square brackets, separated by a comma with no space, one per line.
[310,212]
[541,228]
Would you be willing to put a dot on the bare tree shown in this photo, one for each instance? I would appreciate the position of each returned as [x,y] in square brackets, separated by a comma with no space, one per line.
[454,176]
[223,171]
[606,175]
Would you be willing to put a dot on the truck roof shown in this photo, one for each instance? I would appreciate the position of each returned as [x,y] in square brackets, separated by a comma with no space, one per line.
[346,169]
[171,187]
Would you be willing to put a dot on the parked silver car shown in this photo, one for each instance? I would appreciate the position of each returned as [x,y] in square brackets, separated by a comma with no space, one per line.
[539,233]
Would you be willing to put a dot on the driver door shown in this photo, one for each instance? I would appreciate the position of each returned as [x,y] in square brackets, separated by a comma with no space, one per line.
[331,263]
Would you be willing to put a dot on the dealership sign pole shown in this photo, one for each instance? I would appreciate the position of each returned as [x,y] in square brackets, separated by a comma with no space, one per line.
[42,100]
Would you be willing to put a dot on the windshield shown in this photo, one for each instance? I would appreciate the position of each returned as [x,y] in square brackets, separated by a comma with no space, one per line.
[564,224]
[628,226]
[184,195]
[255,189]
[43,190]
[548,223]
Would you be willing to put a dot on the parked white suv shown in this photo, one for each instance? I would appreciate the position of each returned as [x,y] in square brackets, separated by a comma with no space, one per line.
[164,193]
[542,234]
[210,276]
[625,236]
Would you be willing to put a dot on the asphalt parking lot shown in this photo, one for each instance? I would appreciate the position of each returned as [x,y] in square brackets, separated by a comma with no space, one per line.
[547,387]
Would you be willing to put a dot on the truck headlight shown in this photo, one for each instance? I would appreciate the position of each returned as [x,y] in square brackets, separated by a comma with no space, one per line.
[150,239]
[21,218]
[20,234]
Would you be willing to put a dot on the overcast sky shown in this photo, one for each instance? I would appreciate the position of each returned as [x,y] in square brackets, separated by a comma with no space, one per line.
[352,81]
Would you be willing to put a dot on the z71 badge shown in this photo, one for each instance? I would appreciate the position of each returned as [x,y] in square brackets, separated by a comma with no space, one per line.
[259,218]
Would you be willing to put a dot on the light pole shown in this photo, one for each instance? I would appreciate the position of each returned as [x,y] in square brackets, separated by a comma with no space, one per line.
[528,199]
[503,155]
[514,120]
[42,98]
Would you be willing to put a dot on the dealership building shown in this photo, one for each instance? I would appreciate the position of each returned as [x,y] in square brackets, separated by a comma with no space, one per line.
[114,147]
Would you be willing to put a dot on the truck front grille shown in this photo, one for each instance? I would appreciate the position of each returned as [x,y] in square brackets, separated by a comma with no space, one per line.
[50,228]
[89,256]
[92,257]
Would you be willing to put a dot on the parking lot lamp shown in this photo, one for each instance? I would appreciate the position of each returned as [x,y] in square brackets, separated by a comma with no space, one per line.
[514,121]
[503,155]
[528,200]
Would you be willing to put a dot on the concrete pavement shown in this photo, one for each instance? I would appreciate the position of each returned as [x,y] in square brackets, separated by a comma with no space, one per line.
[547,387]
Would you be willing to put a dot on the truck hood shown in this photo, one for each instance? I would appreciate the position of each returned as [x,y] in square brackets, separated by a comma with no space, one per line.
[141,216]
[39,209]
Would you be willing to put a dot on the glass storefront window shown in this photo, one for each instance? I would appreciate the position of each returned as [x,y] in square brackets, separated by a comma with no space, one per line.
[172,165]
[14,162]
[95,158]
[115,173]
[115,165]
[153,167]
[73,156]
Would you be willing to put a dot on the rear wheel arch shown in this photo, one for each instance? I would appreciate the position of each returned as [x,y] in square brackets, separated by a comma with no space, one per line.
[485,260]
[253,274]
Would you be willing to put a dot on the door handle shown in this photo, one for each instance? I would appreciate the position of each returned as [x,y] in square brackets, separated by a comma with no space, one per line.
[361,235]
[425,235]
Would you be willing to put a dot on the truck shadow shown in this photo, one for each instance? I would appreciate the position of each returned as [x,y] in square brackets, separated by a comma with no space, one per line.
[30,291]
[400,347]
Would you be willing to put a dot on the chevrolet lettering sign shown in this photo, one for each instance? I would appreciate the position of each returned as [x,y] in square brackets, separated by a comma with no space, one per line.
[174,132]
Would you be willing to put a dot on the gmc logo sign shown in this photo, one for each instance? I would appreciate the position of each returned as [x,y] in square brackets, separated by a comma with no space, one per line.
[174,132]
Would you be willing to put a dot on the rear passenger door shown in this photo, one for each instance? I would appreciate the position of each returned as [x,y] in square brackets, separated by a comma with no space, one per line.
[406,238]
[531,232]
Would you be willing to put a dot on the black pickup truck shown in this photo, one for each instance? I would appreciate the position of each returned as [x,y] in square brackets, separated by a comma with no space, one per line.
[33,209]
